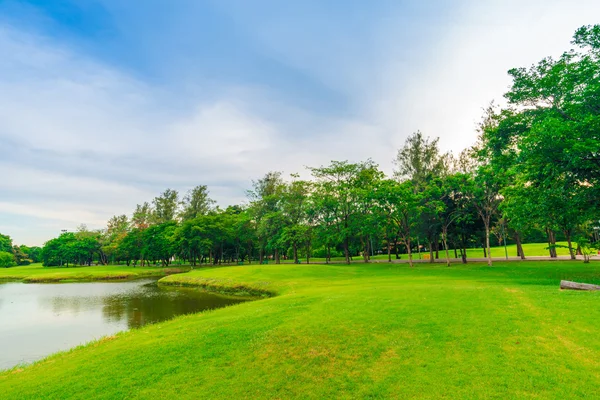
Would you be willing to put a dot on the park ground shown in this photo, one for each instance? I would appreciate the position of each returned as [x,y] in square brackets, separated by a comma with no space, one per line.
[36,273]
[350,331]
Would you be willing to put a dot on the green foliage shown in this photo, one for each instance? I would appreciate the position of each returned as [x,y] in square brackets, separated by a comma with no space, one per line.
[6,244]
[587,248]
[165,207]
[196,202]
[7,259]
[547,141]
[71,248]
[419,159]
[342,201]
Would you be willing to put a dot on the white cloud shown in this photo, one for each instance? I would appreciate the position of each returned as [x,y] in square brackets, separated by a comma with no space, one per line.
[81,140]
[466,68]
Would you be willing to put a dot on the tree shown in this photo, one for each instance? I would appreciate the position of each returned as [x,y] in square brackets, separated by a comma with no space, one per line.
[165,207]
[401,203]
[6,243]
[419,159]
[295,197]
[142,216]
[20,257]
[340,186]
[33,254]
[116,230]
[158,242]
[484,194]
[59,251]
[7,260]
[130,248]
[265,208]
[548,139]
[196,202]
[452,208]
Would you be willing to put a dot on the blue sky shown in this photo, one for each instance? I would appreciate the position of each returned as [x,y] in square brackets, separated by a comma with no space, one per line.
[104,104]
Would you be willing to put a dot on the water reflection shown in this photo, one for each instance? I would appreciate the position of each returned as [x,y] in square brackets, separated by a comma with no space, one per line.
[155,304]
[40,319]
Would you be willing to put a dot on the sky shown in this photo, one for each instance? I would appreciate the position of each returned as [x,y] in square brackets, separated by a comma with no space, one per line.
[106,103]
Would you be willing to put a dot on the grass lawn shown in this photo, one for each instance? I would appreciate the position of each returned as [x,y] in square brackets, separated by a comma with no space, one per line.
[36,273]
[530,250]
[358,331]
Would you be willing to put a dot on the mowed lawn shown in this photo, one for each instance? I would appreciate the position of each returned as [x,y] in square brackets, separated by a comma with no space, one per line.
[530,250]
[38,273]
[358,331]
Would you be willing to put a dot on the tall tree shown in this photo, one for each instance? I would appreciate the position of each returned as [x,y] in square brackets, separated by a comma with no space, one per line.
[117,228]
[165,207]
[419,159]
[550,136]
[401,203]
[6,243]
[142,216]
[295,197]
[196,202]
[340,185]
[265,208]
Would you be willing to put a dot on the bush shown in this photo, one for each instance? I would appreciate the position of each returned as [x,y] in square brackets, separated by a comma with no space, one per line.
[25,262]
[321,252]
[6,259]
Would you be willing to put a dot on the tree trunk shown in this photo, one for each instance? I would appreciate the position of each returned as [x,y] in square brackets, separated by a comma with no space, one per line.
[463,248]
[445,242]
[551,243]
[520,252]
[277,256]
[410,260]
[389,250]
[347,250]
[487,244]
[431,244]
[578,286]
[571,252]
[296,261]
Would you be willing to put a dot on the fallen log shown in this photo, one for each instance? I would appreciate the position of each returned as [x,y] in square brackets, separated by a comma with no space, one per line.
[577,286]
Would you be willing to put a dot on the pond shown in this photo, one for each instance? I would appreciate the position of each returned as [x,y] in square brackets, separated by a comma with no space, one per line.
[37,320]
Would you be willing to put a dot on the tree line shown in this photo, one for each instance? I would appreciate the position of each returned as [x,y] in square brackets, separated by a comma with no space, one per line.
[12,255]
[533,175]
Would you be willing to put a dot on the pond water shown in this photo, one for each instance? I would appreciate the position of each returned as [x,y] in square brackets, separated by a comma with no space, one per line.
[37,320]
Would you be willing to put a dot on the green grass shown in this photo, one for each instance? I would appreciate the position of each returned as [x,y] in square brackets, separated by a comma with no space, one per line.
[36,273]
[358,331]
[530,250]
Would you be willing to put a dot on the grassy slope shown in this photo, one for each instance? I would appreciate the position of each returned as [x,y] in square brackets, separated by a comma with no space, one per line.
[359,331]
[37,273]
